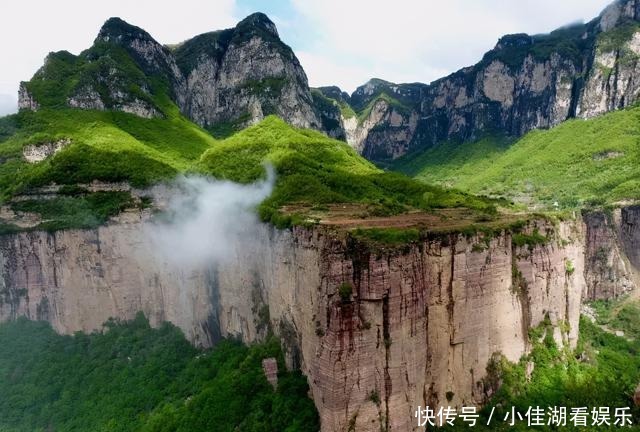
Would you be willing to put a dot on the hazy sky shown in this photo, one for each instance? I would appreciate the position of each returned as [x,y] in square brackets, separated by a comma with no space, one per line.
[341,42]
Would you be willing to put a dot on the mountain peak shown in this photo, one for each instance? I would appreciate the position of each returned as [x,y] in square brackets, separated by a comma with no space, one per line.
[116,29]
[259,21]
[514,40]
[372,86]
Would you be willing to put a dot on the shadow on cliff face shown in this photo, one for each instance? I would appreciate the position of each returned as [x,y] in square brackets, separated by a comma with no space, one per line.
[207,220]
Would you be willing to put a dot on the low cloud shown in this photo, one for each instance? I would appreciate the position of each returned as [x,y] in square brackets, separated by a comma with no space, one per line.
[207,221]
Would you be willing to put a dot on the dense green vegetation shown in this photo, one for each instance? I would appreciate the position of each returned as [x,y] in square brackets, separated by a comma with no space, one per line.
[615,38]
[624,317]
[135,378]
[107,146]
[345,110]
[603,371]
[533,239]
[576,163]
[333,95]
[314,169]
[64,75]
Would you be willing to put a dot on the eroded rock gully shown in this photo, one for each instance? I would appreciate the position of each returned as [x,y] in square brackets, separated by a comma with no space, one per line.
[411,326]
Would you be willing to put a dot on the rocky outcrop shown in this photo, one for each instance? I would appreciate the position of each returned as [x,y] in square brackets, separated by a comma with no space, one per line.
[152,58]
[629,231]
[614,79]
[377,331]
[26,100]
[34,153]
[386,132]
[117,85]
[270,368]
[501,93]
[619,12]
[331,118]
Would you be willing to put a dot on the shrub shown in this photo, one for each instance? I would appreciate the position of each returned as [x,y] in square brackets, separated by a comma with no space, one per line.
[344,291]
[569,267]
[532,240]
[374,397]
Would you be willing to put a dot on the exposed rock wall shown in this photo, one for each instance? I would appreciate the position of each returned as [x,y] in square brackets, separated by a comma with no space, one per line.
[77,280]
[423,323]
[614,79]
[26,100]
[417,328]
[629,232]
[610,247]
[241,75]
[37,153]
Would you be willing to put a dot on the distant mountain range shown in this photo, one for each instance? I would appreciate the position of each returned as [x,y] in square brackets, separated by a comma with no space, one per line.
[229,79]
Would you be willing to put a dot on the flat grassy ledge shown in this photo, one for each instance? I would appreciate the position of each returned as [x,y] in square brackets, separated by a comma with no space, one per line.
[524,232]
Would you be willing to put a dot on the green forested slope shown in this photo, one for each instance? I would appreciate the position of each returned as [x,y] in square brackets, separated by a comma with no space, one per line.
[576,163]
[314,169]
[118,147]
[135,378]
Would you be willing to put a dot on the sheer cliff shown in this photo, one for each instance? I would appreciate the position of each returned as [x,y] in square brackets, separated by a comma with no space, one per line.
[417,326]
[377,330]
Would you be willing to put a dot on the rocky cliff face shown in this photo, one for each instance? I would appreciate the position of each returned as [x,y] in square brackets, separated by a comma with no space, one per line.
[242,75]
[377,332]
[611,253]
[525,82]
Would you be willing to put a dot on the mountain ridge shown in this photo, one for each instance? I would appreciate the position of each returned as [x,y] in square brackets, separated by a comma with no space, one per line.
[229,79]
[236,76]
[525,82]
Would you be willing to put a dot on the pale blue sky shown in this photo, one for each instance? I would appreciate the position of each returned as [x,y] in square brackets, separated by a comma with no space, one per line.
[341,42]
